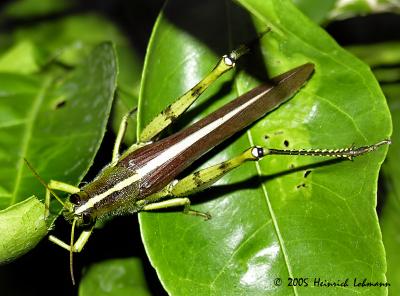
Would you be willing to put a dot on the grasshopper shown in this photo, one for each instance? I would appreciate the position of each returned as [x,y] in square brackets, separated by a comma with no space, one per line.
[143,178]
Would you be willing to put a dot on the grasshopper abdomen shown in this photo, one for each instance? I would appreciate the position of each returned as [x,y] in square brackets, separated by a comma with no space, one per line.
[159,163]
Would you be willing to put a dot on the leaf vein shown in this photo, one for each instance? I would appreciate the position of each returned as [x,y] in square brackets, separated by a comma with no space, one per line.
[28,136]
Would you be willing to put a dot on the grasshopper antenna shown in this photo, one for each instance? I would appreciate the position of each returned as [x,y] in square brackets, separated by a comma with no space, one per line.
[43,182]
[71,254]
[245,48]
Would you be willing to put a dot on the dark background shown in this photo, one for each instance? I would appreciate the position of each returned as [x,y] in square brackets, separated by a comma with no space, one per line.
[39,272]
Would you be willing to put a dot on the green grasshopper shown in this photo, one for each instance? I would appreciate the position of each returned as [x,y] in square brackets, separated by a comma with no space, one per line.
[143,178]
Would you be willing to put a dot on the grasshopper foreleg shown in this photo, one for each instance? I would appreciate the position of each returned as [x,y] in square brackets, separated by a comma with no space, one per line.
[79,243]
[56,185]
[84,236]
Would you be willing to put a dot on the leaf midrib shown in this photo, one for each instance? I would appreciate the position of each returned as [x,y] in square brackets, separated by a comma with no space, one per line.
[38,100]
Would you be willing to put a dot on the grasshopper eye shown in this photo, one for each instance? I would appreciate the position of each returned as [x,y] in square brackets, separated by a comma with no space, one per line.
[75,198]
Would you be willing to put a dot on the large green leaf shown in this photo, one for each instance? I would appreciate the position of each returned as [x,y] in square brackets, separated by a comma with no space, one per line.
[285,216]
[56,123]
[70,38]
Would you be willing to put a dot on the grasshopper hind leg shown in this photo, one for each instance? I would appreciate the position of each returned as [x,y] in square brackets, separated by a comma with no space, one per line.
[121,133]
[196,182]
[177,108]
[178,190]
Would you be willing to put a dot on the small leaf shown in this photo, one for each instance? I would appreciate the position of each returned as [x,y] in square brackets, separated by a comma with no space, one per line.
[22,226]
[118,277]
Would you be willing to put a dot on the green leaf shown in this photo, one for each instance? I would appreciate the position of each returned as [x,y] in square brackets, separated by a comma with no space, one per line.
[390,216]
[72,38]
[379,54]
[22,58]
[352,8]
[56,123]
[316,10]
[34,8]
[117,277]
[22,226]
[271,219]
[69,39]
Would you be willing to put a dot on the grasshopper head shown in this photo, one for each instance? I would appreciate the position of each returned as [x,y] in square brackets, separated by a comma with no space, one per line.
[71,210]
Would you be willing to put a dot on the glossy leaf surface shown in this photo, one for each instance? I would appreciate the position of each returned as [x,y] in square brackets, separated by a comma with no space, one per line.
[56,123]
[116,277]
[285,216]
